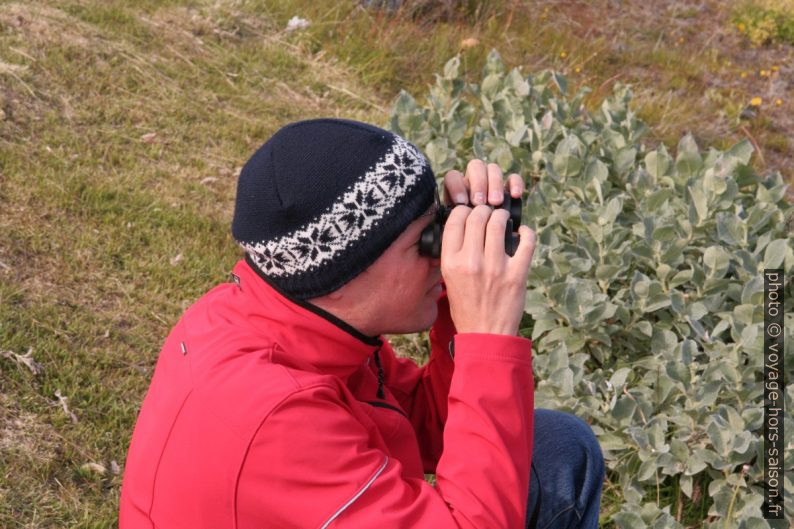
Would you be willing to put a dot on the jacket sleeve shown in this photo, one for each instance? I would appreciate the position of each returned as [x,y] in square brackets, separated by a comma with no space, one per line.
[316,463]
[422,391]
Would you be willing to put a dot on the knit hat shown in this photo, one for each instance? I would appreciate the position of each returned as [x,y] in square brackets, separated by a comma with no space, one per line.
[322,199]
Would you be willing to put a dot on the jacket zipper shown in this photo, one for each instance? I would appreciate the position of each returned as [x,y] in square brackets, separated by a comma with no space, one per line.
[381,394]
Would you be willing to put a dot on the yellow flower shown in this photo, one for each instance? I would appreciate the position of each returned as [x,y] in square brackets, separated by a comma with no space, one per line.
[764,73]
[743,75]
[776,68]
[756,102]
[563,54]
[577,70]
[741,27]
[778,102]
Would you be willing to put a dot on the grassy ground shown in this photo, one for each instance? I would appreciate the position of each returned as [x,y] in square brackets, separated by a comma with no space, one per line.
[122,130]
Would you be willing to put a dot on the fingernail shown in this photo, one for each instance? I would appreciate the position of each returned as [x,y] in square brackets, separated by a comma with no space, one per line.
[479,198]
[495,196]
[461,198]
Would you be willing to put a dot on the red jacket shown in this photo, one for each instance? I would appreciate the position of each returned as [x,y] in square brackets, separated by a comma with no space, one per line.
[264,414]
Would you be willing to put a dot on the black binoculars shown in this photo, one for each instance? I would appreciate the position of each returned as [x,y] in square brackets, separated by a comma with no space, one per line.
[430,240]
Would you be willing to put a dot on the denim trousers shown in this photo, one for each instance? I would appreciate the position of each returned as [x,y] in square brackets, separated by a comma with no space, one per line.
[567,473]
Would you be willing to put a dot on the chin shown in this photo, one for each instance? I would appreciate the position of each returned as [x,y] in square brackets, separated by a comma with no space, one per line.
[430,317]
[417,324]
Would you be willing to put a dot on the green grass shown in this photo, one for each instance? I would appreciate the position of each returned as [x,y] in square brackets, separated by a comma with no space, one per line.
[123,128]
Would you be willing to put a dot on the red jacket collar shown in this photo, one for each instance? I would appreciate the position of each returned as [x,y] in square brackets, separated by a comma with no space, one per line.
[307,333]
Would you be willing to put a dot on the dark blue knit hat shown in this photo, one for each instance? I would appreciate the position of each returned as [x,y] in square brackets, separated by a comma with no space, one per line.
[322,199]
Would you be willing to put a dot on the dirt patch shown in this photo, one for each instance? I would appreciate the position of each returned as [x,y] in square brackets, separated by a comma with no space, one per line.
[46,25]
[24,437]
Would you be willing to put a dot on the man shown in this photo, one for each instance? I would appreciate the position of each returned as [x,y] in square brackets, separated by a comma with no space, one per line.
[276,401]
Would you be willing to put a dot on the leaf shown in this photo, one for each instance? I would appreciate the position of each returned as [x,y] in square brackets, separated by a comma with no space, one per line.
[451,68]
[716,261]
[493,64]
[561,82]
[439,154]
[663,342]
[514,138]
[775,253]
[678,371]
[624,160]
[547,121]
[680,278]
[657,163]
[700,203]
[743,151]
[618,378]
[687,165]
[629,520]
[731,229]
[647,470]
[657,302]
[596,170]
[657,199]
[566,165]
[535,302]
[687,145]
[686,485]
[607,272]
[645,328]
[697,310]
[490,86]
[611,210]
[542,326]
[624,409]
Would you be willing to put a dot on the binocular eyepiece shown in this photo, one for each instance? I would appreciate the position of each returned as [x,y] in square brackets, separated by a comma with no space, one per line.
[430,240]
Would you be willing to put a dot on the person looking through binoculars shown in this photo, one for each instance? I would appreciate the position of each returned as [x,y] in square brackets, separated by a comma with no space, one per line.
[277,400]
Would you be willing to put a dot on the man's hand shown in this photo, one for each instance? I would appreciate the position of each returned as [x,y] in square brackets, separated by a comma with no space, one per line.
[486,287]
[482,184]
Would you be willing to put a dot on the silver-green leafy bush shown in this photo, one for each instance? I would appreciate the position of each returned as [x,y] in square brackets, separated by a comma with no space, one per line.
[646,293]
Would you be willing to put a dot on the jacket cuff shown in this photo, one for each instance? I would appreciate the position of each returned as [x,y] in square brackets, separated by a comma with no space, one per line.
[492,347]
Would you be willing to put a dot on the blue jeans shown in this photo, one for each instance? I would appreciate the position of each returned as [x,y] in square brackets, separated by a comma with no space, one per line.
[567,473]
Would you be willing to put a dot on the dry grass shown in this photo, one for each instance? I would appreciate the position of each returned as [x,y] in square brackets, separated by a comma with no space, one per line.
[121,136]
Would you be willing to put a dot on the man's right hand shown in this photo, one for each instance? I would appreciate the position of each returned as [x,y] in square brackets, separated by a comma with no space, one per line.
[486,287]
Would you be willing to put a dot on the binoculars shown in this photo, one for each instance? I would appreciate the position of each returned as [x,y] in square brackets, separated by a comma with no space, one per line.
[430,240]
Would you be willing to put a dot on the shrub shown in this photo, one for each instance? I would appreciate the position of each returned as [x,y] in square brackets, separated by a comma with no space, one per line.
[645,298]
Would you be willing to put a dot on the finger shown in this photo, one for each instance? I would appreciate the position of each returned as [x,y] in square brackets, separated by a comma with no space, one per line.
[455,191]
[474,240]
[496,194]
[522,259]
[514,185]
[477,181]
[452,238]
[495,235]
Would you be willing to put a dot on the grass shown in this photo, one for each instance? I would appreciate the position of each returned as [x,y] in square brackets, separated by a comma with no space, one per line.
[122,130]
[765,21]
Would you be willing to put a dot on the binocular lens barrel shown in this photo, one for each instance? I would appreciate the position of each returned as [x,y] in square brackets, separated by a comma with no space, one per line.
[430,240]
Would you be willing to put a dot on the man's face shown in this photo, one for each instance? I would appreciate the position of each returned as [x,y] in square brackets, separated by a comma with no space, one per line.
[397,294]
